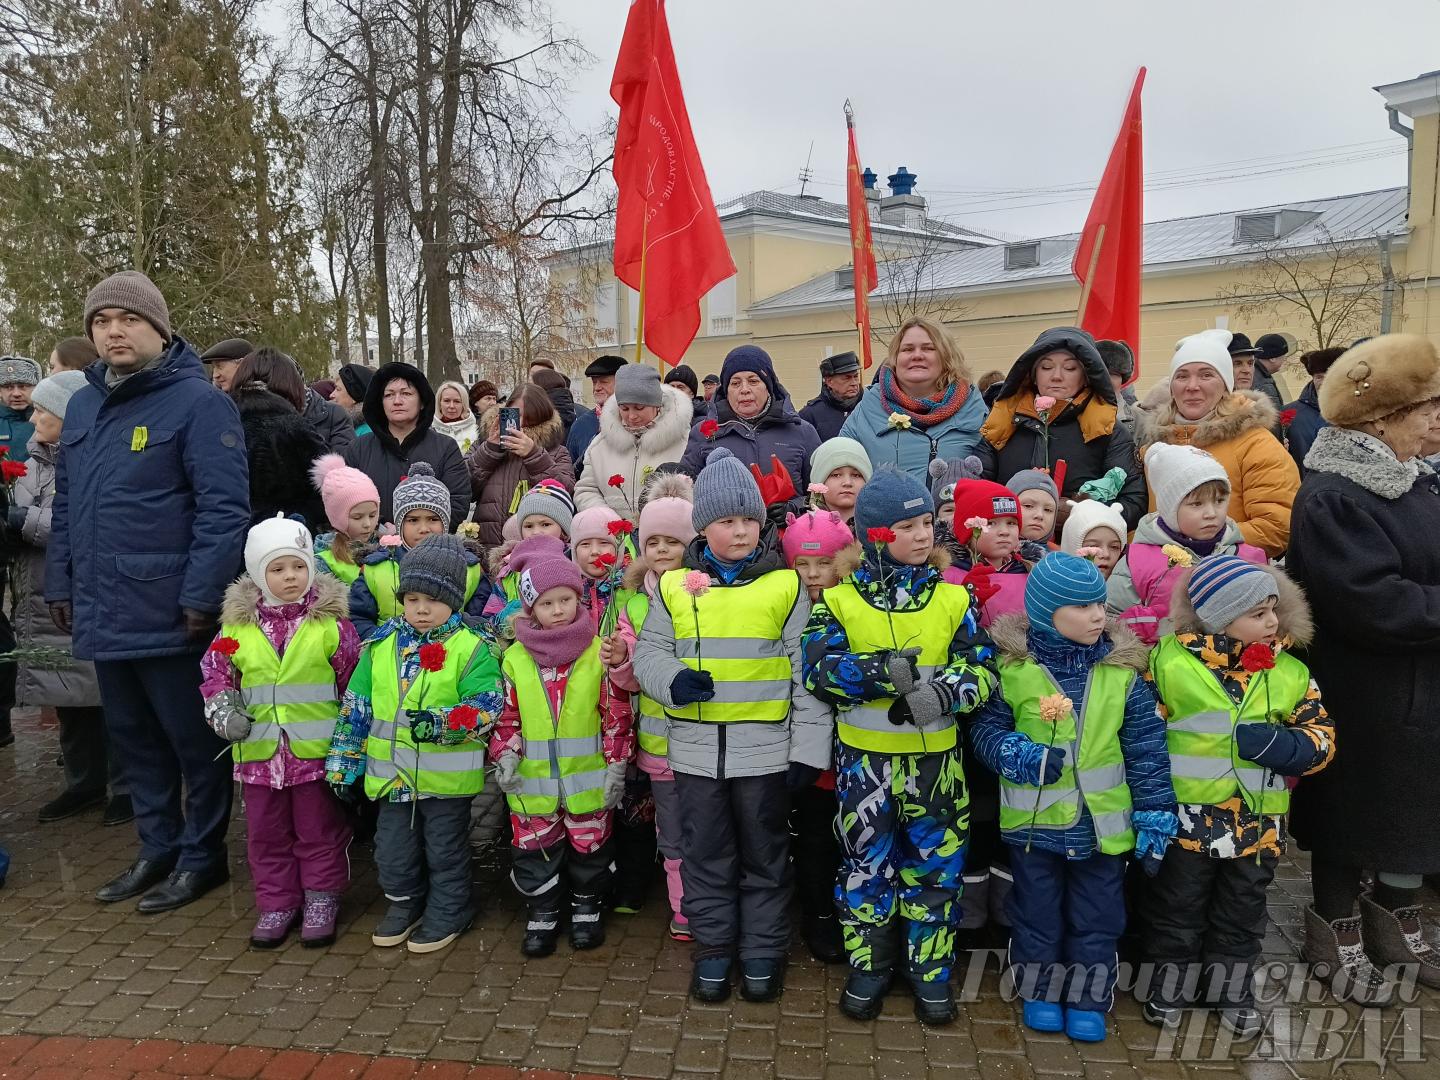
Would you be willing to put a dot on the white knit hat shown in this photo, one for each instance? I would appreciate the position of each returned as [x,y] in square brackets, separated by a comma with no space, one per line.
[1207,347]
[1086,516]
[272,538]
[1174,472]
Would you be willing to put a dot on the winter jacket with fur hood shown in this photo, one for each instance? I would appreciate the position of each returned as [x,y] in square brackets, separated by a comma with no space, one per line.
[617,451]
[386,461]
[500,478]
[729,751]
[1364,548]
[1263,479]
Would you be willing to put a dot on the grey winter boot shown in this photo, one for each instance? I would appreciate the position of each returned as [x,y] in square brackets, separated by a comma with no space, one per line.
[1395,937]
[1336,951]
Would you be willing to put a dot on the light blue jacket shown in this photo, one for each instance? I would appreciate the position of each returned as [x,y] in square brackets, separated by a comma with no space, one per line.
[912,450]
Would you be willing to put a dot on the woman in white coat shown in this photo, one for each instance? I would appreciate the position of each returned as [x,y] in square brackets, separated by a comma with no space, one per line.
[644,425]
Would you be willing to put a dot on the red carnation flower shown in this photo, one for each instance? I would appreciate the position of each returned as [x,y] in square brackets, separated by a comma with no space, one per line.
[10,471]
[605,558]
[463,718]
[708,428]
[432,656]
[4,451]
[1287,417]
[880,535]
[621,527]
[225,646]
[1257,657]
[617,480]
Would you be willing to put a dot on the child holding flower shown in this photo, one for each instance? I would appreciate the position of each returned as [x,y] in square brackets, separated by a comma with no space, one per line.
[1084,779]
[1192,497]
[899,653]
[412,728]
[839,468]
[988,524]
[560,749]
[272,682]
[596,545]
[1243,717]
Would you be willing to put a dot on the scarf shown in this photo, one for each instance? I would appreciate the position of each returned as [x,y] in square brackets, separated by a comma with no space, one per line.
[924,412]
[559,645]
[1203,548]
[729,571]
[1059,654]
[1096,418]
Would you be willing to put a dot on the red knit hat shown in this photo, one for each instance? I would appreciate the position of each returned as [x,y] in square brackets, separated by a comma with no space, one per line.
[984,499]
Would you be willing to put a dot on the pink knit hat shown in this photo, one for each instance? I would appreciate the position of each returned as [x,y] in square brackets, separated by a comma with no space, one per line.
[510,531]
[341,488]
[666,509]
[592,524]
[816,533]
[542,566]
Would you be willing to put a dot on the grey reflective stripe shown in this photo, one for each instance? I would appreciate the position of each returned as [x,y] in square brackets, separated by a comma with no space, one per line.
[1205,723]
[1101,778]
[423,762]
[289,694]
[577,783]
[729,693]
[1117,821]
[540,749]
[1024,798]
[309,730]
[870,718]
[1214,768]
[382,729]
[729,648]
[539,785]
[654,725]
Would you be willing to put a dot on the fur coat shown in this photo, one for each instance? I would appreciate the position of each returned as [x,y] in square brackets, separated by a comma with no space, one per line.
[617,451]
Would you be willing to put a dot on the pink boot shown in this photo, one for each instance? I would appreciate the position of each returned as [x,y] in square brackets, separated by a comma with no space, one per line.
[273,927]
[321,911]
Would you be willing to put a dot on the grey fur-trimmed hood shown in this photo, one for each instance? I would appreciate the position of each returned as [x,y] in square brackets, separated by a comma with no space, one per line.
[1128,651]
[671,426]
[332,598]
[1337,450]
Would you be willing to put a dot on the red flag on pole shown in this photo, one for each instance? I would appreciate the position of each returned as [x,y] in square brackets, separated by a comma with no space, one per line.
[862,250]
[1107,259]
[668,243]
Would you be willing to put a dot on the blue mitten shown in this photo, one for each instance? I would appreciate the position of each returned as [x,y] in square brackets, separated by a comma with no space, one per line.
[691,686]
[1154,829]
[1284,750]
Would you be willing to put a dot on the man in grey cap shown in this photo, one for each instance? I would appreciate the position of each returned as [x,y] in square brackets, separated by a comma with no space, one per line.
[223,358]
[601,374]
[18,376]
[840,393]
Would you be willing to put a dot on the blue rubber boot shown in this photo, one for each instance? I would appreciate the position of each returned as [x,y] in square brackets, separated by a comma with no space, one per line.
[1043,1016]
[1085,1025]
[710,980]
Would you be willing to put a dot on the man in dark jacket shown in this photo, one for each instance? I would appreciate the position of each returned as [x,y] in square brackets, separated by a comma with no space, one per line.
[1249,374]
[329,421]
[683,378]
[223,358]
[400,420]
[147,530]
[601,374]
[1306,422]
[840,392]
[1270,353]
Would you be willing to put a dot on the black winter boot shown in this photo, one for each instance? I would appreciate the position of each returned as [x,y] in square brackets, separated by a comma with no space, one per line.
[542,930]
[587,925]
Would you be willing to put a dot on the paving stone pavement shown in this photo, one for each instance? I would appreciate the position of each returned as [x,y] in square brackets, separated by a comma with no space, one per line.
[73,970]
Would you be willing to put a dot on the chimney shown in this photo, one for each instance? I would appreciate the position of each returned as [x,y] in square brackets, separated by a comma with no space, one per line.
[872,193]
[903,208]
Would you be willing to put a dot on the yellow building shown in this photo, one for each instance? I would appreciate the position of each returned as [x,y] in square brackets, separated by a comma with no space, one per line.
[1374,253]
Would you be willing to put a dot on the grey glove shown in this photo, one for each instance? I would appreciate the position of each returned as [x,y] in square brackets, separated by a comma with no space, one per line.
[904,674]
[507,773]
[929,706]
[227,716]
[615,783]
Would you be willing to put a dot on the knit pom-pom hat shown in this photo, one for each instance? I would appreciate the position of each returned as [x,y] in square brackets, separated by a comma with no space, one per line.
[436,567]
[726,488]
[944,475]
[341,488]
[420,490]
[665,508]
[817,533]
[548,499]
[542,566]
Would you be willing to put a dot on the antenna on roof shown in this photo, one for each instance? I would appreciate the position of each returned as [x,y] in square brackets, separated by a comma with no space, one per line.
[807,173]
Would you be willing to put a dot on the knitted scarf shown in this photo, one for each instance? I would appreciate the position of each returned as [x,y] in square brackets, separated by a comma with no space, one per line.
[557,645]
[924,412]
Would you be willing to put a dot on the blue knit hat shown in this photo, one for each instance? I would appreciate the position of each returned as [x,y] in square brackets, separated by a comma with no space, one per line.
[725,488]
[890,496]
[1059,580]
[750,358]
[1223,587]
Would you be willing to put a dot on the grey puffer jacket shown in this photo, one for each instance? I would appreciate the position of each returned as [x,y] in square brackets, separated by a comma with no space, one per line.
[727,751]
[75,685]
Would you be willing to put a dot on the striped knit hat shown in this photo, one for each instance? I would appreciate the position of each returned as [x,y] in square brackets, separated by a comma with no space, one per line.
[1223,587]
[1059,580]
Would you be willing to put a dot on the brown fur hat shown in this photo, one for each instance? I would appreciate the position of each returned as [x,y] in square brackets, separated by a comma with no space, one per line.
[1381,376]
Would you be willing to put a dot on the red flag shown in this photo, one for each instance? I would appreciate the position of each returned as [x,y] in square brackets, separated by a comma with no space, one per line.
[1107,259]
[862,250]
[664,211]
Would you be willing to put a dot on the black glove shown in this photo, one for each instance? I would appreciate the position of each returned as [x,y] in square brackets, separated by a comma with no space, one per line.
[351,794]
[425,726]
[691,686]
[775,514]
[15,518]
[801,776]
[1054,763]
[62,614]
[1284,750]
[200,626]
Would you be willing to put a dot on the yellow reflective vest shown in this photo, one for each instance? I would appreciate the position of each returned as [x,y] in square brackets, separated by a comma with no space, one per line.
[649,714]
[294,693]
[866,725]
[1094,770]
[345,571]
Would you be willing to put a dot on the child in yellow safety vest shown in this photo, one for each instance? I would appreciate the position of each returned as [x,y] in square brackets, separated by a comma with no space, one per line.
[272,682]
[352,506]
[412,729]
[560,752]
[899,653]
[422,508]
[545,510]
[1084,779]
[1243,718]
[664,530]
[597,549]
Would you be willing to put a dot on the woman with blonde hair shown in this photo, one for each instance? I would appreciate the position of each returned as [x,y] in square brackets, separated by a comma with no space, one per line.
[922,407]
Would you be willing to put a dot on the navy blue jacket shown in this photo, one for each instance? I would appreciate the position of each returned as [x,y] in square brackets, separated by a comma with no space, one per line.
[152,503]
[582,433]
[778,432]
[1307,424]
[16,427]
[827,414]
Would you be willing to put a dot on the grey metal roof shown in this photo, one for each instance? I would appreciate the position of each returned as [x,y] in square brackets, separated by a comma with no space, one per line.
[1178,240]
[779,204]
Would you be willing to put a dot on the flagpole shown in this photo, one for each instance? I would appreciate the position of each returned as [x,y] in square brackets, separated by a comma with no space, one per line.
[1084,289]
[640,292]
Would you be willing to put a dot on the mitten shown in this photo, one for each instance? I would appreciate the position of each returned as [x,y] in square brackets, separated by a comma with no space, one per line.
[1022,760]
[928,707]
[978,579]
[691,686]
[1154,829]
[614,783]
[1052,762]
[425,726]
[903,671]
[1284,750]
[226,715]
[801,776]
[507,773]
[15,518]
[351,794]
[62,614]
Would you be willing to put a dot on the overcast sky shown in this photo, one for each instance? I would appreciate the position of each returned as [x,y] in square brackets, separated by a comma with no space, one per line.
[988,101]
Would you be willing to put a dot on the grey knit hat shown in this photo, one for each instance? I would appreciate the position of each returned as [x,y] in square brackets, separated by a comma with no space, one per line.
[18,369]
[637,384]
[548,499]
[1034,480]
[725,488]
[436,567]
[420,490]
[53,394]
[132,291]
[1224,587]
